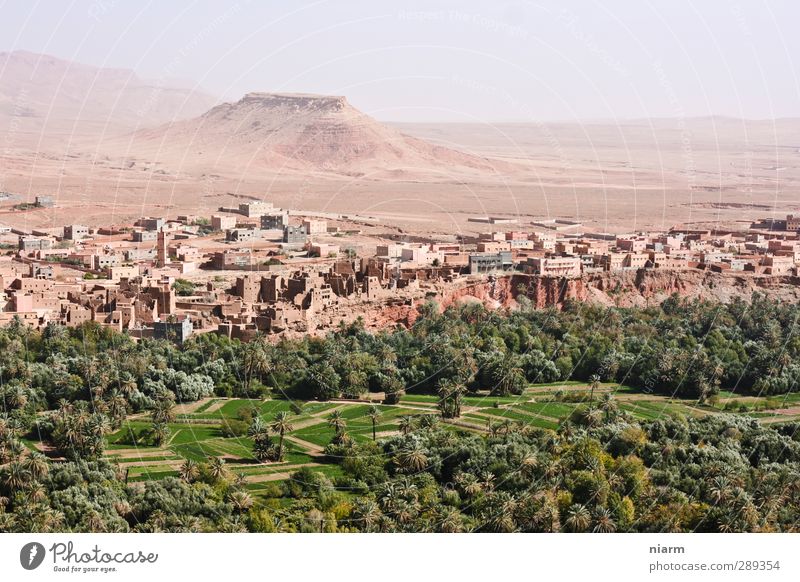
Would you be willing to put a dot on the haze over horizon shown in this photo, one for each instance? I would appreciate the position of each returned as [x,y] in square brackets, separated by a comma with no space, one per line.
[447,61]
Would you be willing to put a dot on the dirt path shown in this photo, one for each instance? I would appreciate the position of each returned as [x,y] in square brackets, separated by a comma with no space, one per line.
[144,463]
[495,418]
[777,418]
[137,453]
[466,424]
[566,388]
[279,476]
[316,418]
[310,448]
[216,406]
[190,407]
[386,433]
[791,411]
[412,404]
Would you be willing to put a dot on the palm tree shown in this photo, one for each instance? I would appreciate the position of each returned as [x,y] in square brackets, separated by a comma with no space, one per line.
[603,521]
[190,524]
[368,513]
[281,425]
[257,430]
[36,465]
[240,480]
[488,481]
[469,484]
[720,489]
[528,465]
[374,414]
[429,421]
[189,470]
[339,425]
[412,460]
[592,416]
[163,410]
[256,360]
[450,398]
[578,518]
[507,376]
[37,493]
[595,384]
[241,501]
[263,449]
[128,386]
[406,424]
[117,408]
[404,512]
[217,468]
[407,489]
[608,405]
[502,517]
[15,476]
[160,433]
[18,397]
[450,521]
[94,522]
[386,356]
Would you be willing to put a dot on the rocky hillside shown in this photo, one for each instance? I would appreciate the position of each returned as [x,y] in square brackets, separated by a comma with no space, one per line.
[43,97]
[291,133]
[621,289]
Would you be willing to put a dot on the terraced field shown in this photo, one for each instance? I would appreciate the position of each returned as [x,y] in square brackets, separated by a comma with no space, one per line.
[198,430]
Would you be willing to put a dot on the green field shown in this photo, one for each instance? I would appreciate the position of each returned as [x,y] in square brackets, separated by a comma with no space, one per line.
[198,435]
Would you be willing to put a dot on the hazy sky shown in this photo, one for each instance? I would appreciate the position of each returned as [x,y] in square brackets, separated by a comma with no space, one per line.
[453,60]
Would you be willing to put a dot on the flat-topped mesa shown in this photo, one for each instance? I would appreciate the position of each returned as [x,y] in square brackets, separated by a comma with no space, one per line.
[299,99]
[300,132]
[290,102]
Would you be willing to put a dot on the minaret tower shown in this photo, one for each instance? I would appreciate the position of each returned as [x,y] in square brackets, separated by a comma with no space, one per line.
[161,256]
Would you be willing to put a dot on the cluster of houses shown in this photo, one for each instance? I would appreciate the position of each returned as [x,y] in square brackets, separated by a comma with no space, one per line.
[257,268]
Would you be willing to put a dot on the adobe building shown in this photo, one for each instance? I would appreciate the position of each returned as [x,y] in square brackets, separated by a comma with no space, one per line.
[231,260]
[223,221]
[275,220]
[151,223]
[75,232]
[28,244]
[255,209]
[294,234]
[241,234]
[488,262]
[175,329]
[144,235]
[554,266]
[315,226]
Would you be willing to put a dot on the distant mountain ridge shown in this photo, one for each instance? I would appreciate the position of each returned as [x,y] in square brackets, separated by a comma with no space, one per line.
[66,109]
[47,95]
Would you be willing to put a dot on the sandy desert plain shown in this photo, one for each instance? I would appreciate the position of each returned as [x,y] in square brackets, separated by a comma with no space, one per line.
[104,161]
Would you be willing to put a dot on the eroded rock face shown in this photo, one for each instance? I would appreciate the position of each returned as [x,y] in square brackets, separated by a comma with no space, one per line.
[625,289]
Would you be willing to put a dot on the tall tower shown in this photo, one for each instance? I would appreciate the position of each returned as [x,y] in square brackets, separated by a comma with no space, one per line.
[161,256]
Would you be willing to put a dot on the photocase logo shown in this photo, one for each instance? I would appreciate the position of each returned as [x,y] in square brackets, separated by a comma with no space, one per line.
[31,555]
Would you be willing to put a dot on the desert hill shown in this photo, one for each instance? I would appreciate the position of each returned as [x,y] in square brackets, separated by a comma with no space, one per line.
[285,133]
[44,98]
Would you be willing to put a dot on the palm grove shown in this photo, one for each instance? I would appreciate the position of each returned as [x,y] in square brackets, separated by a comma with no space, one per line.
[601,471]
